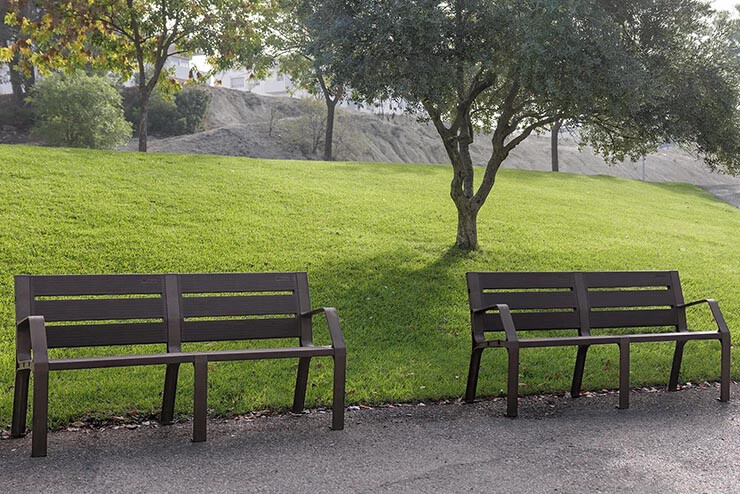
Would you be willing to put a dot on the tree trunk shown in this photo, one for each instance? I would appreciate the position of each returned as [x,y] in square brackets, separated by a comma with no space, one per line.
[143,118]
[467,227]
[329,137]
[554,144]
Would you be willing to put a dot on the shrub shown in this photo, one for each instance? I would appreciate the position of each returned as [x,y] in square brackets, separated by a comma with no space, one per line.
[162,120]
[183,114]
[78,110]
[192,105]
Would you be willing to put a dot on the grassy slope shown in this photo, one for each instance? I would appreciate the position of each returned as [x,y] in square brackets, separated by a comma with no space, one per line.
[375,240]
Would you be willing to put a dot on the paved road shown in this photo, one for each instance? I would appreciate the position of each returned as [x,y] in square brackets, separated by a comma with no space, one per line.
[667,442]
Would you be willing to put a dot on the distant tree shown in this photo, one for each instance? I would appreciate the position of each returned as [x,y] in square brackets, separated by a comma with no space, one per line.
[631,74]
[78,110]
[20,81]
[192,105]
[137,37]
[554,137]
[292,40]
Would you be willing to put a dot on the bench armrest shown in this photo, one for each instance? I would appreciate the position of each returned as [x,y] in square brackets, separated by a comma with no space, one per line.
[506,320]
[335,330]
[30,336]
[716,313]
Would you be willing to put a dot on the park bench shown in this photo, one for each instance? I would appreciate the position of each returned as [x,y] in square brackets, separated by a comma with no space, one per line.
[73,311]
[512,303]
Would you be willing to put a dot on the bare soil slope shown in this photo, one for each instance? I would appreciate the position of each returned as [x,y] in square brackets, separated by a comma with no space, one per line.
[246,124]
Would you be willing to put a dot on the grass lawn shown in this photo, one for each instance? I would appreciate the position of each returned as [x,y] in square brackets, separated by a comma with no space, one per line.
[375,239]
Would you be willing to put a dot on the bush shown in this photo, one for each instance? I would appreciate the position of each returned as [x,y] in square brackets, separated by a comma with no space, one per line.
[162,120]
[78,110]
[183,114]
[192,105]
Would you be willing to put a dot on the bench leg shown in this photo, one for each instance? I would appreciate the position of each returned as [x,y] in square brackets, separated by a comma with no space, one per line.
[724,385]
[676,368]
[512,391]
[301,382]
[168,396]
[624,375]
[575,389]
[473,374]
[20,402]
[200,399]
[337,413]
[40,412]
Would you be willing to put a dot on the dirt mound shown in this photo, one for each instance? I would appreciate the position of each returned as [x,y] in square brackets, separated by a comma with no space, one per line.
[245,124]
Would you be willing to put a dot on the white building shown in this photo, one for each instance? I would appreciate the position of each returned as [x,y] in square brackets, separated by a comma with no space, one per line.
[5,86]
[278,84]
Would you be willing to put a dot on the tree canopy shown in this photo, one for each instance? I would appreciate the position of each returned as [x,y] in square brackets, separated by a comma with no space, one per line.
[629,75]
[136,37]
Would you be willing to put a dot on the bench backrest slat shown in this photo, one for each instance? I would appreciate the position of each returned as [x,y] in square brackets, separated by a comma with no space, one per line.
[82,335]
[539,301]
[265,305]
[632,299]
[99,310]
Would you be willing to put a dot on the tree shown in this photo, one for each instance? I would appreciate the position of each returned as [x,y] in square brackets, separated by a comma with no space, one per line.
[138,36]
[20,82]
[293,40]
[79,110]
[554,136]
[629,74]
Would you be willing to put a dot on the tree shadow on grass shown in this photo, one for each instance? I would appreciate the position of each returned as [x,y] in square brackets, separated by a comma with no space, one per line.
[406,323]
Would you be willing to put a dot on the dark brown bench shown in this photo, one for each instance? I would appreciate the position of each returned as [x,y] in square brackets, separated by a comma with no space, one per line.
[164,309]
[509,303]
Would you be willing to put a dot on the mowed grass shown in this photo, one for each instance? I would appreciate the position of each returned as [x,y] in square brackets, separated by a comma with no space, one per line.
[375,239]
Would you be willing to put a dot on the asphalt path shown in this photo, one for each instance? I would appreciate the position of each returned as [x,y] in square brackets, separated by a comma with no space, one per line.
[666,442]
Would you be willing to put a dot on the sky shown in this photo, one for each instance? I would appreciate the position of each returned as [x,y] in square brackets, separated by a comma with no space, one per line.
[725,4]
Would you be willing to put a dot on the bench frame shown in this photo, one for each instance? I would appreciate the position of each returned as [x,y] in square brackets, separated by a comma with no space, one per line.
[32,338]
[479,283]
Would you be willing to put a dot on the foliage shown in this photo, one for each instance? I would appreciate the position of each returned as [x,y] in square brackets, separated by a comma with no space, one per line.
[137,37]
[291,37]
[307,131]
[192,106]
[399,290]
[78,110]
[15,114]
[170,115]
[630,74]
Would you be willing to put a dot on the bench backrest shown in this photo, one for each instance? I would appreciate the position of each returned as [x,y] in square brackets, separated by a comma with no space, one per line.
[95,310]
[538,301]
[222,307]
[105,310]
[578,300]
[630,299]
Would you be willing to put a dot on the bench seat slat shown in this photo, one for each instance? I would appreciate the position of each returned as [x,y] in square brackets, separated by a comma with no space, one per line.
[181,357]
[99,284]
[609,339]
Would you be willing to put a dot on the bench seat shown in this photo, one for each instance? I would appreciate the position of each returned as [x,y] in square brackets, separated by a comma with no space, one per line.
[605,339]
[187,357]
